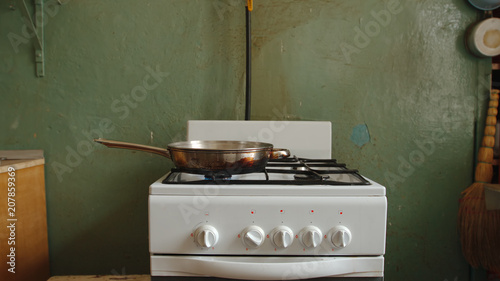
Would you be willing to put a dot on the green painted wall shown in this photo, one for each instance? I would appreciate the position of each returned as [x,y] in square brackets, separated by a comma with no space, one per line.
[400,68]
[100,56]
[138,70]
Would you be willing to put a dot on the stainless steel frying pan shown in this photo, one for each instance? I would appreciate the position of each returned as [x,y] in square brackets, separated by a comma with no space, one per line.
[205,157]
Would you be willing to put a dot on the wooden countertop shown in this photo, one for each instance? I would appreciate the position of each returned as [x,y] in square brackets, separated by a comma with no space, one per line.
[101,278]
[20,159]
[20,164]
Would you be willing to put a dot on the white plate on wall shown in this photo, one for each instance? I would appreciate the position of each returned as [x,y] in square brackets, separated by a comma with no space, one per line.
[485,5]
[483,38]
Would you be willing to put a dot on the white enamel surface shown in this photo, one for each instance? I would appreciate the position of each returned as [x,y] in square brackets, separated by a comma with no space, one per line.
[374,189]
[174,219]
[308,139]
[270,268]
[267,232]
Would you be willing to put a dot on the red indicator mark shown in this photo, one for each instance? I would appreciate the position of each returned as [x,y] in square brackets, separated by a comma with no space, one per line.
[275,249]
[192,235]
[296,236]
[333,249]
[251,212]
[304,249]
[325,236]
[213,248]
[239,235]
[267,236]
[281,211]
[247,249]
[312,211]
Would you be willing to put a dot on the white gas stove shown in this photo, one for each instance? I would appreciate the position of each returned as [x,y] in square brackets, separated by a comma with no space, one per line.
[301,218]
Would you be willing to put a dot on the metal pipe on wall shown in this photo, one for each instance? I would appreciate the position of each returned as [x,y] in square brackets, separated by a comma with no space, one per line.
[248,88]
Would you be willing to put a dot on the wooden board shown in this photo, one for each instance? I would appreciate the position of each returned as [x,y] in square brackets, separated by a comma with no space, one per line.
[19,164]
[21,154]
[102,278]
[28,238]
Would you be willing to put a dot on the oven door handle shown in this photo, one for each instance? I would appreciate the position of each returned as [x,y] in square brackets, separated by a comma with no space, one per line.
[267,268]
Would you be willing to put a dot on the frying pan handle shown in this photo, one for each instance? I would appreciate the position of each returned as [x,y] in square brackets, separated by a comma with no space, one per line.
[126,145]
[279,153]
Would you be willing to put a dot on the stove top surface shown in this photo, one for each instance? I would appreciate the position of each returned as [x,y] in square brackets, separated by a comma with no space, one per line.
[290,171]
[285,177]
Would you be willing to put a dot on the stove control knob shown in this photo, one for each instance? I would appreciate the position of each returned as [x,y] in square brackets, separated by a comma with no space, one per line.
[282,237]
[206,236]
[253,237]
[340,236]
[310,236]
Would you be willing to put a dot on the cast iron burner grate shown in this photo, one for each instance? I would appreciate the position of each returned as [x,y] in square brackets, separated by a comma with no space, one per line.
[288,171]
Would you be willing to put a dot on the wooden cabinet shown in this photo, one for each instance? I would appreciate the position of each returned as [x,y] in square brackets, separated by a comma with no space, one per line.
[23,222]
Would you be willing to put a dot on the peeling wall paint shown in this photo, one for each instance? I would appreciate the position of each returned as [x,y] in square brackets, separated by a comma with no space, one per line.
[360,135]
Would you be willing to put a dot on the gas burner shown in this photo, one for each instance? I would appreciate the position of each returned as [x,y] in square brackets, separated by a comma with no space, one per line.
[220,176]
[307,176]
[304,177]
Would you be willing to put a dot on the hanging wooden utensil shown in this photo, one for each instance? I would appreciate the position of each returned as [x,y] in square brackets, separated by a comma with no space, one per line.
[480,228]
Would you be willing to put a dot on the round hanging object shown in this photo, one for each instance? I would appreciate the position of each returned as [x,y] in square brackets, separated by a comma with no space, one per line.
[483,38]
[485,5]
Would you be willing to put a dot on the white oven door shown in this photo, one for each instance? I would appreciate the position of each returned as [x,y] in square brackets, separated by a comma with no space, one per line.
[266,268]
